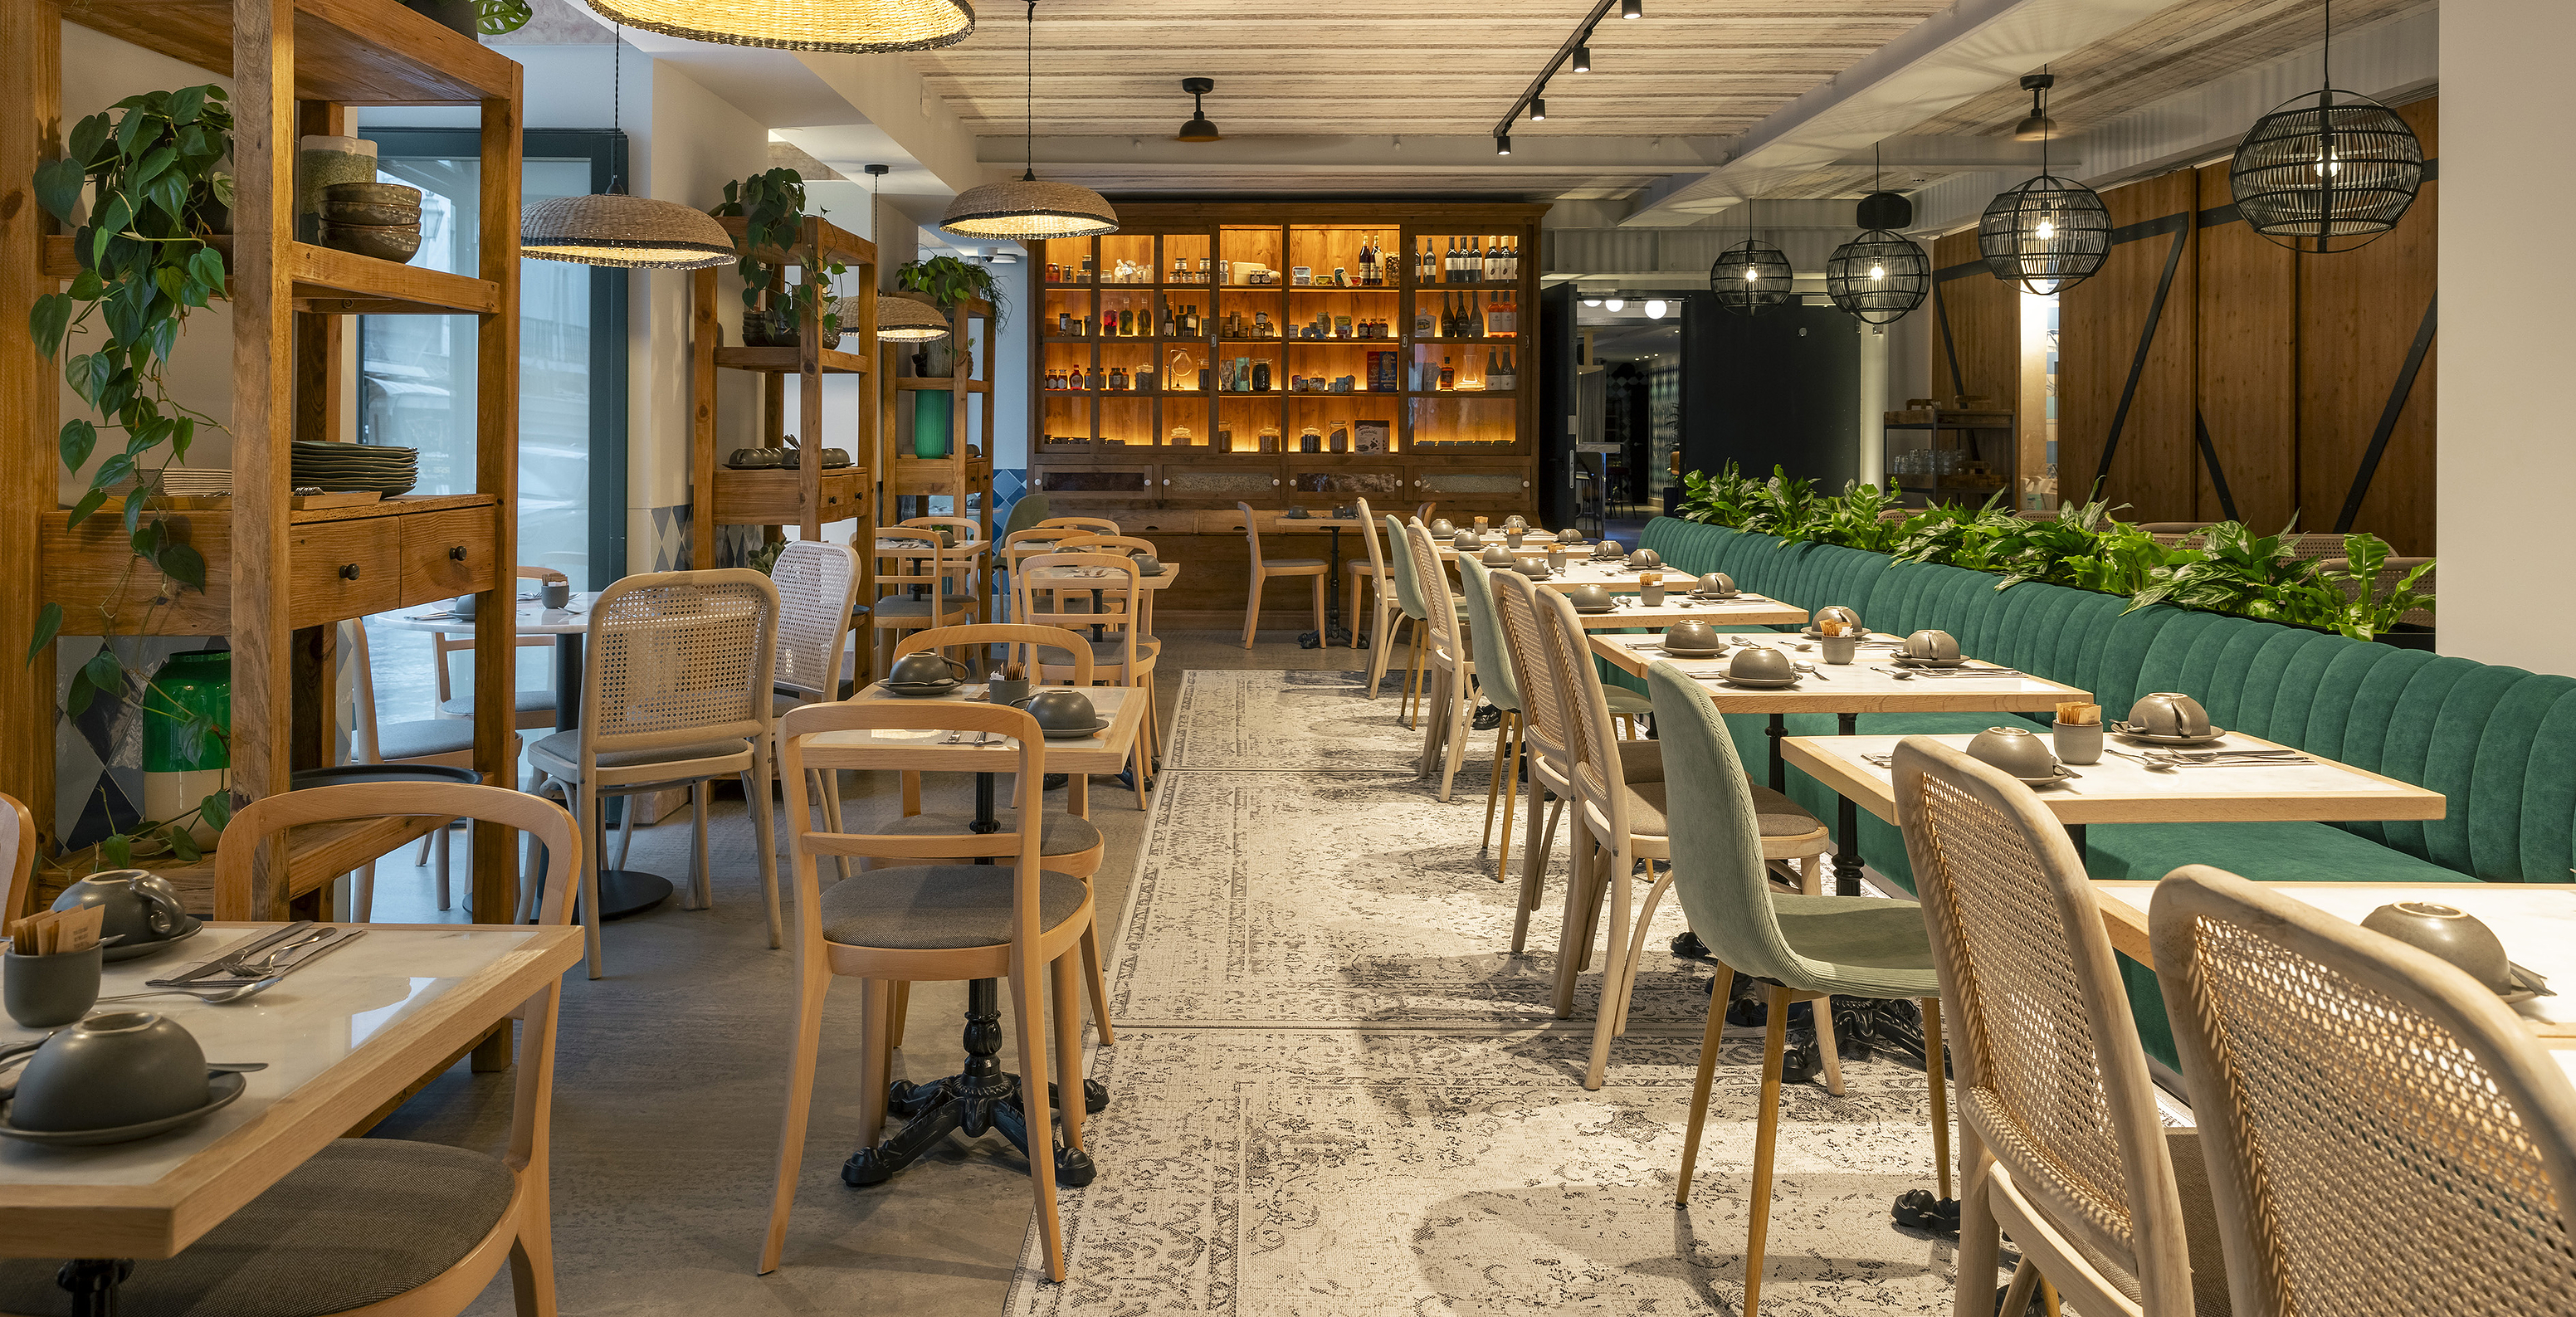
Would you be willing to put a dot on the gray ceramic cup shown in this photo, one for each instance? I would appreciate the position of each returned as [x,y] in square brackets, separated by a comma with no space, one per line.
[464,606]
[2449,933]
[1556,559]
[1651,593]
[45,991]
[1148,565]
[1001,691]
[2077,743]
[2169,713]
[110,1071]
[1842,649]
[1513,538]
[556,594]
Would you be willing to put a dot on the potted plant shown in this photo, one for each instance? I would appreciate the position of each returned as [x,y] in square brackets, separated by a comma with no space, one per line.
[948,282]
[772,208]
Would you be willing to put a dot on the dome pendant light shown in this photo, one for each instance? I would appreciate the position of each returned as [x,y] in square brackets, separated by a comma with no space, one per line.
[1750,277]
[1879,277]
[614,229]
[854,27]
[2050,233]
[2328,174]
[1028,207]
[1198,129]
[901,318]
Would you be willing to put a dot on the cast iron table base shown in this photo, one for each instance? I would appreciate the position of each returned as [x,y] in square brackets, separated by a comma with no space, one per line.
[1334,633]
[93,1282]
[622,892]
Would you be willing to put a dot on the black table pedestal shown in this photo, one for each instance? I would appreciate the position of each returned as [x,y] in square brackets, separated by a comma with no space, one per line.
[981,1097]
[93,1283]
[1334,633]
[1847,864]
[622,892]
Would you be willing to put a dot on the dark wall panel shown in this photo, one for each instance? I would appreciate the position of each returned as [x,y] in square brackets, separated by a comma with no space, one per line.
[2115,339]
[1778,389]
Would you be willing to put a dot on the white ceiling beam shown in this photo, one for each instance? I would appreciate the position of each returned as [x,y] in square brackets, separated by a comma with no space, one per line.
[1373,153]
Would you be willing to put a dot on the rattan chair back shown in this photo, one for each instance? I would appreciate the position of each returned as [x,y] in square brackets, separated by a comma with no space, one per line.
[679,658]
[2383,1134]
[1112,574]
[18,853]
[1431,585]
[1549,733]
[2051,1079]
[1376,555]
[818,586]
[851,725]
[1599,775]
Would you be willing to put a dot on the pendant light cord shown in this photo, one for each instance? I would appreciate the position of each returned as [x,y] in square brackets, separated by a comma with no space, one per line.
[616,92]
[1029,98]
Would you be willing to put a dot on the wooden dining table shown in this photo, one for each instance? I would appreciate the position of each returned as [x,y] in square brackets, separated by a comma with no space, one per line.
[343,1041]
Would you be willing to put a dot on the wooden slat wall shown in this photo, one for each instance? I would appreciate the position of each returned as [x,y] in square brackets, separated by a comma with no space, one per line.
[2289,360]
[1984,316]
[2100,323]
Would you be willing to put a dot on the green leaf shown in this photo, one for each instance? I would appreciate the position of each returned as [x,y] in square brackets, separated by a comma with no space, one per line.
[117,851]
[77,440]
[187,103]
[87,137]
[88,504]
[58,187]
[182,844]
[48,320]
[117,467]
[207,267]
[181,435]
[105,672]
[216,809]
[133,514]
[129,130]
[49,624]
[181,562]
[76,700]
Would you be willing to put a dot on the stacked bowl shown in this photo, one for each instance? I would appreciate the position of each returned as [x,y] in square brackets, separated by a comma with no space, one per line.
[381,220]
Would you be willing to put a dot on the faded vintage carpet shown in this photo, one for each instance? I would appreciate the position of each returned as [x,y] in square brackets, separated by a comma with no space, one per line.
[1334,1090]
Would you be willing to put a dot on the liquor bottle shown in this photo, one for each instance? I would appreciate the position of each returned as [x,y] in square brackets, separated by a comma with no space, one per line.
[1117,379]
[1168,323]
[1423,269]
[1476,316]
[1448,374]
[1422,326]
[1261,376]
[1127,323]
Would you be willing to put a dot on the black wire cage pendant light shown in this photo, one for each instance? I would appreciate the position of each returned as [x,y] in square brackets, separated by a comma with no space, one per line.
[1880,276]
[2328,172]
[1750,277]
[2050,233]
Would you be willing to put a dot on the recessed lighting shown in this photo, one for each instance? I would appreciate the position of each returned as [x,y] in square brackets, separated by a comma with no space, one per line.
[1655,308]
[1616,303]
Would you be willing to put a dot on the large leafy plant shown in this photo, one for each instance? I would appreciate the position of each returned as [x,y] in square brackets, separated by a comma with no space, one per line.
[772,208]
[950,281]
[151,171]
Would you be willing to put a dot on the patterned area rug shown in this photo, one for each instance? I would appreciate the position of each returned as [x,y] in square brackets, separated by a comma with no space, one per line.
[1335,1091]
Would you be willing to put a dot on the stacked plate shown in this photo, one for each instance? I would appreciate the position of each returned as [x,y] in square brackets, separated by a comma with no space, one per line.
[342,467]
[183,482]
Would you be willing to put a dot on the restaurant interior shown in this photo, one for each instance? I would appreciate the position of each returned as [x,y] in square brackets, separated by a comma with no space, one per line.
[1824,657]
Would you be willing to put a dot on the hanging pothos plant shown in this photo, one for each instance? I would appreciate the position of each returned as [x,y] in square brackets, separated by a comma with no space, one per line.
[772,208]
[152,168]
[950,281]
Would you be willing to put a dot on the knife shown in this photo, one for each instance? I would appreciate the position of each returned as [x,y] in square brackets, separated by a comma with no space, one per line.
[232,959]
[346,937]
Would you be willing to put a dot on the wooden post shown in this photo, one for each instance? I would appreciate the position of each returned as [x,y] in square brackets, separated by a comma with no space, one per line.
[263,393]
[30,133]
[496,472]
[809,390]
[703,330]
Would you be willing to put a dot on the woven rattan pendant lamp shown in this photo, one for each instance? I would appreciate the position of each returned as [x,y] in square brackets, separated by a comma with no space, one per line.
[1750,277]
[2326,173]
[1879,277]
[900,319]
[854,27]
[614,229]
[2050,233]
[1029,207]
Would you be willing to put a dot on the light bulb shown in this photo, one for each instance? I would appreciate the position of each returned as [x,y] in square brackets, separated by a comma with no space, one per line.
[2047,230]
[1592,301]
[1617,304]
[1538,109]
[1583,55]
[1878,272]
[1752,274]
[1654,308]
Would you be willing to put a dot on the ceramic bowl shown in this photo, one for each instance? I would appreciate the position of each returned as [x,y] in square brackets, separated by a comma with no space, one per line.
[2451,934]
[1516,523]
[1537,569]
[1444,529]
[1060,709]
[1496,556]
[759,459]
[1466,541]
[2016,750]
[1717,583]
[379,204]
[1693,635]
[1569,536]
[1936,646]
[109,1071]
[1148,565]
[2169,713]
[1589,596]
[384,242]
[1645,558]
[1848,617]
[925,669]
[1608,549]
[1760,663]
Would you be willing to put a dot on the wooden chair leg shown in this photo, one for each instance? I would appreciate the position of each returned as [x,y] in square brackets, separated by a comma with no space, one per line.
[1936,1069]
[1511,793]
[1098,986]
[1614,978]
[1826,1048]
[1636,954]
[438,853]
[2026,1281]
[1536,851]
[1459,715]
[830,795]
[898,1008]
[1252,610]
[586,814]
[1766,1144]
[1980,1243]
[1379,638]
[702,892]
[1065,996]
[755,788]
[801,1060]
[876,997]
[1710,1036]
[1571,950]
[1322,589]
[1027,1005]
[1493,790]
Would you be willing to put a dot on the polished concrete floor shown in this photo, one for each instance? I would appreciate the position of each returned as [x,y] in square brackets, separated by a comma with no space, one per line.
[671,1075]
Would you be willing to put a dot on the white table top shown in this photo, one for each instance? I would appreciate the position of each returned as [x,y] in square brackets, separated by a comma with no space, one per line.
[1861,686]
[534,618]
[1107,576]
[317,1018]
[1105,752]
[1742,611]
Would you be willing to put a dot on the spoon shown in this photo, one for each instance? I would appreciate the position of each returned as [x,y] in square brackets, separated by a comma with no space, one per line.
[210,996]
[1809,669]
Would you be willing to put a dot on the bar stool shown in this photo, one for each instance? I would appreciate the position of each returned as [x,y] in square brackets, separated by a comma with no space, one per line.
[1263,570]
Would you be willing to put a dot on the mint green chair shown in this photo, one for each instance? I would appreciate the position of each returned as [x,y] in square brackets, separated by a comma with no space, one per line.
[1805,947]
[1494,674]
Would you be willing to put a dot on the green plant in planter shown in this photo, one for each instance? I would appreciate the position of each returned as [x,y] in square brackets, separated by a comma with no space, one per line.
[151,167]
[772,208]
[950,281]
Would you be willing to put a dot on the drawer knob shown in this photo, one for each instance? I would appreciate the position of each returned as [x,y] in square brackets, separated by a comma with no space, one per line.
[348,571]
[456,553]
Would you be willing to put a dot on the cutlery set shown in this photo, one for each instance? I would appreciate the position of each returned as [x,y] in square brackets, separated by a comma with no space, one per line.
[256,966]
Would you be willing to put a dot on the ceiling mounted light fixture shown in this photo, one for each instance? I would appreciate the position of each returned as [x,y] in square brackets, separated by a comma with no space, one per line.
[1881,276]
[1538,109]
[1632,8]
[1582,61]
[1655,308]
[853,27]
[1198,129]
[1615,303]
[2328,173]
[2038,127]
[1592,301]
[901,319]
[1005,256]
[1750,277]
[2048,234]
[1029,207]
[621,231]
[1502,143]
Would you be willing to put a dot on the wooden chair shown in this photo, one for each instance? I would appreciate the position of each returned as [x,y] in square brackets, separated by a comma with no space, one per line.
[1400,573]
[446,742]
[1365,578]
[916,595]
[676,691]
[818,587]
[1450,666]
[931,921]
[2383,1135]
[1093,525]
[1127,659]
[18,852]
[2060,1143]
[1622,822]
[1026,542]
[535,708]
[373,1226]
[1808,948]
[1315,569]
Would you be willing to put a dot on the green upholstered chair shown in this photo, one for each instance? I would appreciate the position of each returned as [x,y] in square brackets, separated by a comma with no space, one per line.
[1449,665]
[1399,570]
[1494,674]
[1805,947]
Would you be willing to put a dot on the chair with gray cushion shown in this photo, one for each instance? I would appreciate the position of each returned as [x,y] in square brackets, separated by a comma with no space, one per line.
[676,691]
[444,742]
[937,917]
[1495,676]
[1805,948]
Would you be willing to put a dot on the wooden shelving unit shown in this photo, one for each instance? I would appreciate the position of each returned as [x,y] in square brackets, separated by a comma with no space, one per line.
[966,472]
[278,579]
[808,497]
[1952,430]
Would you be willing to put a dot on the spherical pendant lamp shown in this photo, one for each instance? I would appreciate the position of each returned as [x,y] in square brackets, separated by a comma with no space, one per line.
[1028,207]
[614,229]
[1878,277]
[1750,277]
[2328,172]
[857,27]
[903,320]
[2047,235]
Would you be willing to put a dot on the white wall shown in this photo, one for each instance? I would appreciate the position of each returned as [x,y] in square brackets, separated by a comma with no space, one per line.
[2505,461]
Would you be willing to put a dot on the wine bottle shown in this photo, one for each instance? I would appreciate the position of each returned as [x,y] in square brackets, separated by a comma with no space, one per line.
[1448,374]
[1476,317]
[1168,323]
[1494,376]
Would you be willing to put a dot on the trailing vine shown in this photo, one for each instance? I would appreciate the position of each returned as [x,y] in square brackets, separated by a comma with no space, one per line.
[772,208]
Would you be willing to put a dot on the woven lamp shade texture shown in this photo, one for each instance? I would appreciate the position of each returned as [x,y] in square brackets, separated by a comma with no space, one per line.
[847,26]
[903,320]
[2047,235]
[1905,275]
[2375,167]
[612,228]
[1769,286]
[1029,208]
